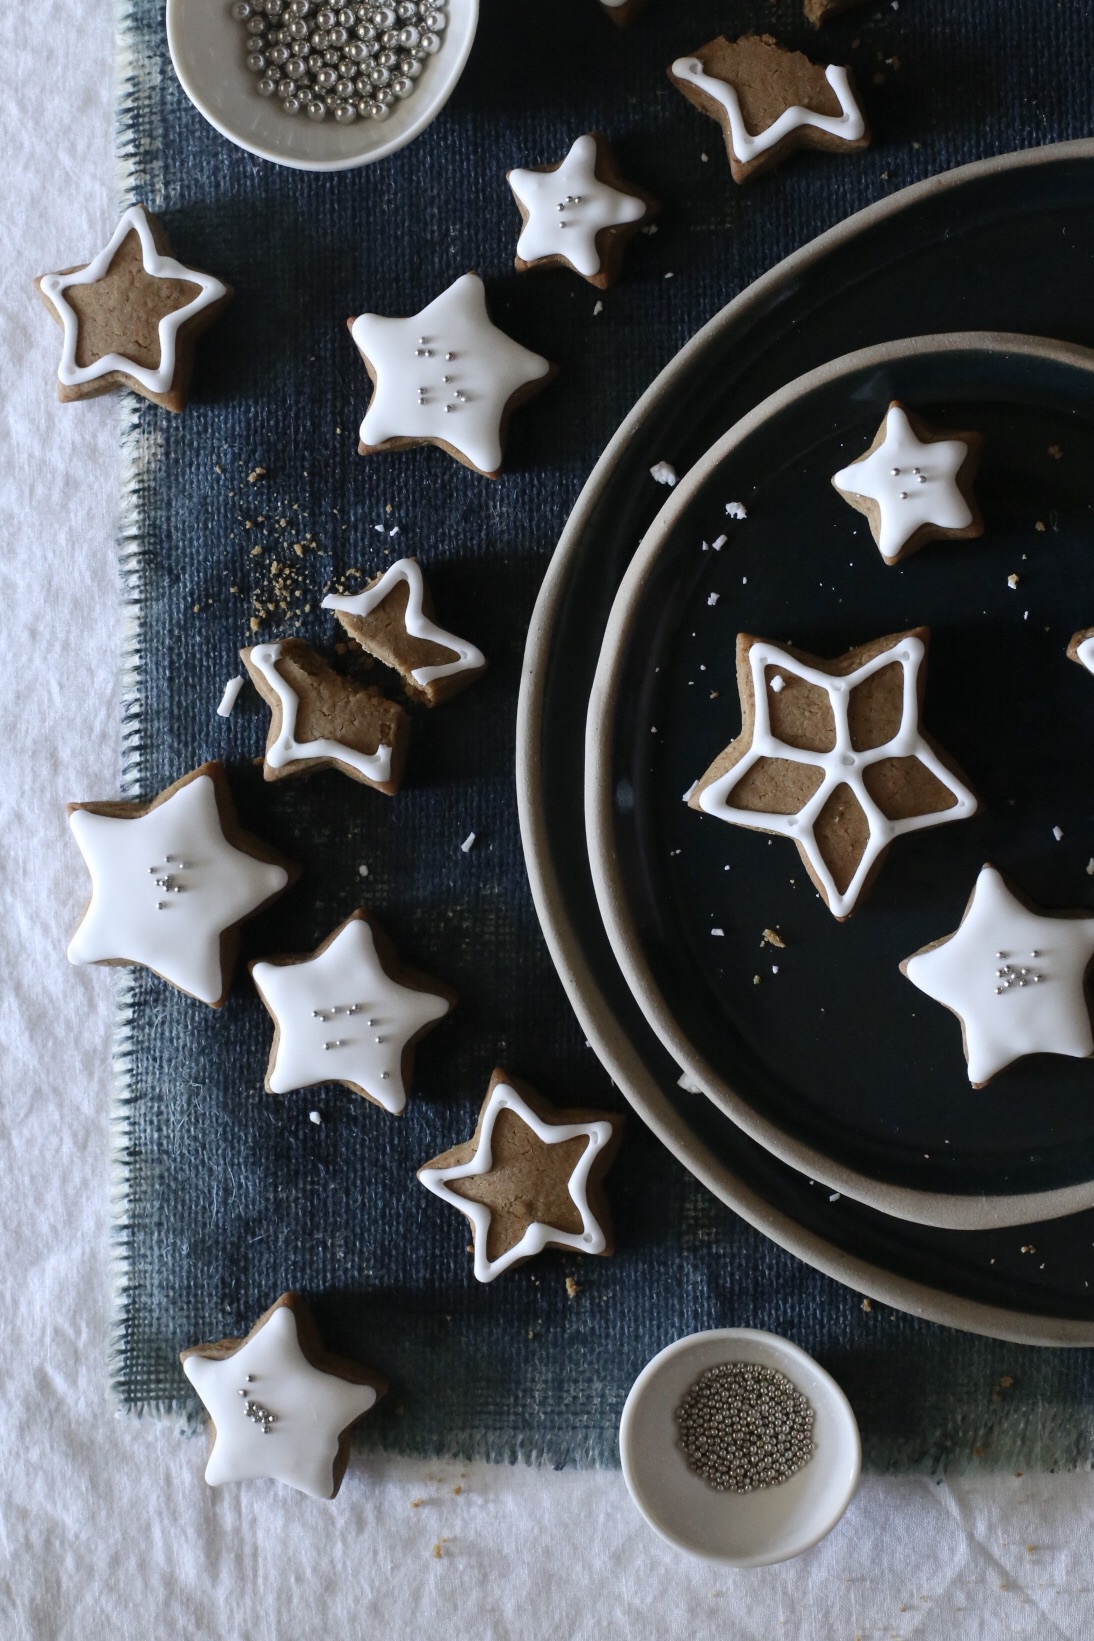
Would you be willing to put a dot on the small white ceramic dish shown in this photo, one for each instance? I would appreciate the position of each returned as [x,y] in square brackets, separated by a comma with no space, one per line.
[206,46]
[740,1529]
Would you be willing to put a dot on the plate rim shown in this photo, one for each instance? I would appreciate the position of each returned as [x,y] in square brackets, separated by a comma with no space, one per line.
[939,1209]
[594,1013]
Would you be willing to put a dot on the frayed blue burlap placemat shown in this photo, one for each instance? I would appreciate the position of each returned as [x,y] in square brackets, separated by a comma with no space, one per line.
[239,514]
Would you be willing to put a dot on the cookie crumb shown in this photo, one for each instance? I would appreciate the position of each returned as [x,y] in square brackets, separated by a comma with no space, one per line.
[468,843]
[772,937]
[1012,581]
[1040,527]
[736,510]
[1090,867]
[228,699]
[665,473]
[1028,1248]
[755,979]
[457,1490]
[438,1551]
[255,474]
[316,1117]
[571,1287]
[416,1504]
[867,1305]
[649,229]
[1055,451]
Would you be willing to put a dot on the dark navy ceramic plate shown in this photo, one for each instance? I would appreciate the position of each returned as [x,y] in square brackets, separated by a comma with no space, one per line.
[823,1051]
[973,249]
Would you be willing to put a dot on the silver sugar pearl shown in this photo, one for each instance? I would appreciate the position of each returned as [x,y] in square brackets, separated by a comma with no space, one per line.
[409,37]
[345,113]
[436,21]
[317,111]
[401,86]
[430,44]
[241,10]
[256,62]
[266,87]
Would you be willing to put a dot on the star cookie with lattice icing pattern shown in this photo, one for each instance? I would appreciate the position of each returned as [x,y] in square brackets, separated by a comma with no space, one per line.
[529,1178]
[320,720]
[131,316]
[445,376]
[914,485]
[281,1406]
[1013,976]
[770,101]
[832,756]
[172,880]
[580,213]
[350,1013]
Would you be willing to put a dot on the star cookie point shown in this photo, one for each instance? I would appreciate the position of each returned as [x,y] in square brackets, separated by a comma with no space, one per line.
[579,213]
[914,484]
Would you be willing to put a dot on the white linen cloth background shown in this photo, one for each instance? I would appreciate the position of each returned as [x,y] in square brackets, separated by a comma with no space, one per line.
[107,1529]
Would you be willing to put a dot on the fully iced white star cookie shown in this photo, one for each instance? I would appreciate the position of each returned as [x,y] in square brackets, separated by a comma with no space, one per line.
[914,485]
[580,213]
[529,1178]
[1013,976]
[281,1406]
[348,1013]
[131,315]
[831,755]
[171,882]
[445,376]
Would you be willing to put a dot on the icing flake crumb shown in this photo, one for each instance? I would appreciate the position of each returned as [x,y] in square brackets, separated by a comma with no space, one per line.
[772,937]
[1012,581]
[755,979]
[719,542]
[719,932]
[649,229]
[778,683]
[712,599]
[467,843]
[228,699]
[1057,833]
[598,308]
[1090,867]
[316,1117]
[705,158]
[688,1084]
[833,1196]
[736,510]
[774,968]
[362,871]
[663,473]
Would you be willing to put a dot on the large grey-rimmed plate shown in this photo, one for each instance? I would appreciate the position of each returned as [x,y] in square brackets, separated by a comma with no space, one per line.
[969,248]
[829,1057]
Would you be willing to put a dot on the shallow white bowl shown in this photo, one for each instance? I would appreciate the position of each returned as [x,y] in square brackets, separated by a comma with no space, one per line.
[741,1529]
[206,46]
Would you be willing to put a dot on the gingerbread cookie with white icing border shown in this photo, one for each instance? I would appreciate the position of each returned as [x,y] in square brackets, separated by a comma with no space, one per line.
[281,1406]
[1013,975]
[914,484]
[445,376]
[529,1178]
[349,1012]
[321,720]
[770,101]
[131,316]
[172,880]
[1081,648]
[580,213]
[831,755]
[392,619]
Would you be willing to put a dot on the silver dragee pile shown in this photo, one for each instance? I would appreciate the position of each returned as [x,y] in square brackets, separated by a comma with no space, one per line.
[742,1425]
[348,61]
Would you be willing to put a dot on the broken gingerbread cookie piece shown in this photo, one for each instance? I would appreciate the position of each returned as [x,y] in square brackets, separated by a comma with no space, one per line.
[392,619]
[320,720]
[445,376]
[770,101]
[131,316]
[172,880]
[914,484]
[819,11]
[529,1178]
[281,1406]
[580,213]
[831,755]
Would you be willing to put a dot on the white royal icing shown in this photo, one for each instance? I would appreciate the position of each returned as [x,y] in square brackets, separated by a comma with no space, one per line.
[341,1018]
[375,766]
[848,124]
[1084,654]
[589,1240]
[1013,977]
[912,483]
[165,886]
[444,373]
[568,207]
[841,765]
[309,1410]
[55,285]
[415,620]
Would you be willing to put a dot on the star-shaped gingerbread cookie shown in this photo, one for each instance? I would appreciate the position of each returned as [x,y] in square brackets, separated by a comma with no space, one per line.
[350,1013]
[172,880]
[914,484]
[831,755]
[131,316]
[281,1407]
[392,618]
[580,213]
[1013,976]
[529,1178]
[320,720]
[770,101]
[1081,648]
[445,376]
